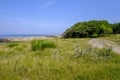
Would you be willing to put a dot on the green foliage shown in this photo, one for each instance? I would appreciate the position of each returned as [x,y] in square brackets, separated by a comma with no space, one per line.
[116,28]
[42,44]
[106,26]
[12,44]
[88,29]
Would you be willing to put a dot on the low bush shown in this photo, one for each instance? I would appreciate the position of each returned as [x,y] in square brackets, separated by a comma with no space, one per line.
[42,44]
[12,44]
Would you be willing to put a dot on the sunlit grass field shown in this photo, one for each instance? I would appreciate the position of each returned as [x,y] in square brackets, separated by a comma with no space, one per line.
[69,59]
[115,38]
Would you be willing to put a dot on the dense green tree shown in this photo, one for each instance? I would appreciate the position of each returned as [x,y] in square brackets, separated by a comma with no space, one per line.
[90,29]
[76,31]
[116,28]
[106,26]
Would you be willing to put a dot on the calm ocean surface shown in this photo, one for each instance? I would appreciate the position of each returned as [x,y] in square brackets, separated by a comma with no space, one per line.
[20,36]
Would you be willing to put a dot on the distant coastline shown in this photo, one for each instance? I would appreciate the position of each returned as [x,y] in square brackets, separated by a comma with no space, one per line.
[24,35]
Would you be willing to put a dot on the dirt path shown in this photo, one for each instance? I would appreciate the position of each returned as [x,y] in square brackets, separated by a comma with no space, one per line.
[100,43]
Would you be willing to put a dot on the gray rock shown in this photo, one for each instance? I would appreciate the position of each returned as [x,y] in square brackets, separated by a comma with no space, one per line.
[4,40]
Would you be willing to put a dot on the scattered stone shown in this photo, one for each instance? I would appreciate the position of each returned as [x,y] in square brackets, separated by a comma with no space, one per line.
[101,43]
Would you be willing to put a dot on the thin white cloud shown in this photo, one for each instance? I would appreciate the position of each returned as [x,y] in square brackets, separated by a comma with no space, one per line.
[47,5]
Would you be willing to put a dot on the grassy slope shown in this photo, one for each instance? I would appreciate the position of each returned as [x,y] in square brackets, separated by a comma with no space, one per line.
[115,38]
[21,63]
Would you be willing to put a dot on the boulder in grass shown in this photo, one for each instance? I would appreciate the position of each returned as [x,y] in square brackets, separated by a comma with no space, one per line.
[4,40]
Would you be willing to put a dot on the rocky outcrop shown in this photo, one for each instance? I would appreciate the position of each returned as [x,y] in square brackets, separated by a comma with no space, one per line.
[4,40]
[101,43]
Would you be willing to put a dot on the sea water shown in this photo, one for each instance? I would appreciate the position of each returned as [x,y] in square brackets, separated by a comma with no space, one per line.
[20,36]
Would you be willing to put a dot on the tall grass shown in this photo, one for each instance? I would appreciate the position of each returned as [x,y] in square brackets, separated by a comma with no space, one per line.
[113,37]
[56,64]
[42,44]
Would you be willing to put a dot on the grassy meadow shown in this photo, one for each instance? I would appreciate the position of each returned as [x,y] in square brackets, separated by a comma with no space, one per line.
[115,38]
[57,59]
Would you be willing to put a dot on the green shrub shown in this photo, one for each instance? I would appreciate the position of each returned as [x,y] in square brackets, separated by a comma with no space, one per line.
[12,44]
[42,44]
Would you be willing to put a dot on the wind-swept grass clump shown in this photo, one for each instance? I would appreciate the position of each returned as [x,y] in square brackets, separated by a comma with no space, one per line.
[12,44]
[104,52]
[42,44]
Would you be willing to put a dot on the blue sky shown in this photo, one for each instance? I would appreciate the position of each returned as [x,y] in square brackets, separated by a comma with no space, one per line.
[53,16]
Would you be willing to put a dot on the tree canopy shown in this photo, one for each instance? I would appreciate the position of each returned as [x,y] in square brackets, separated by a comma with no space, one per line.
[116,28]
[92,28]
